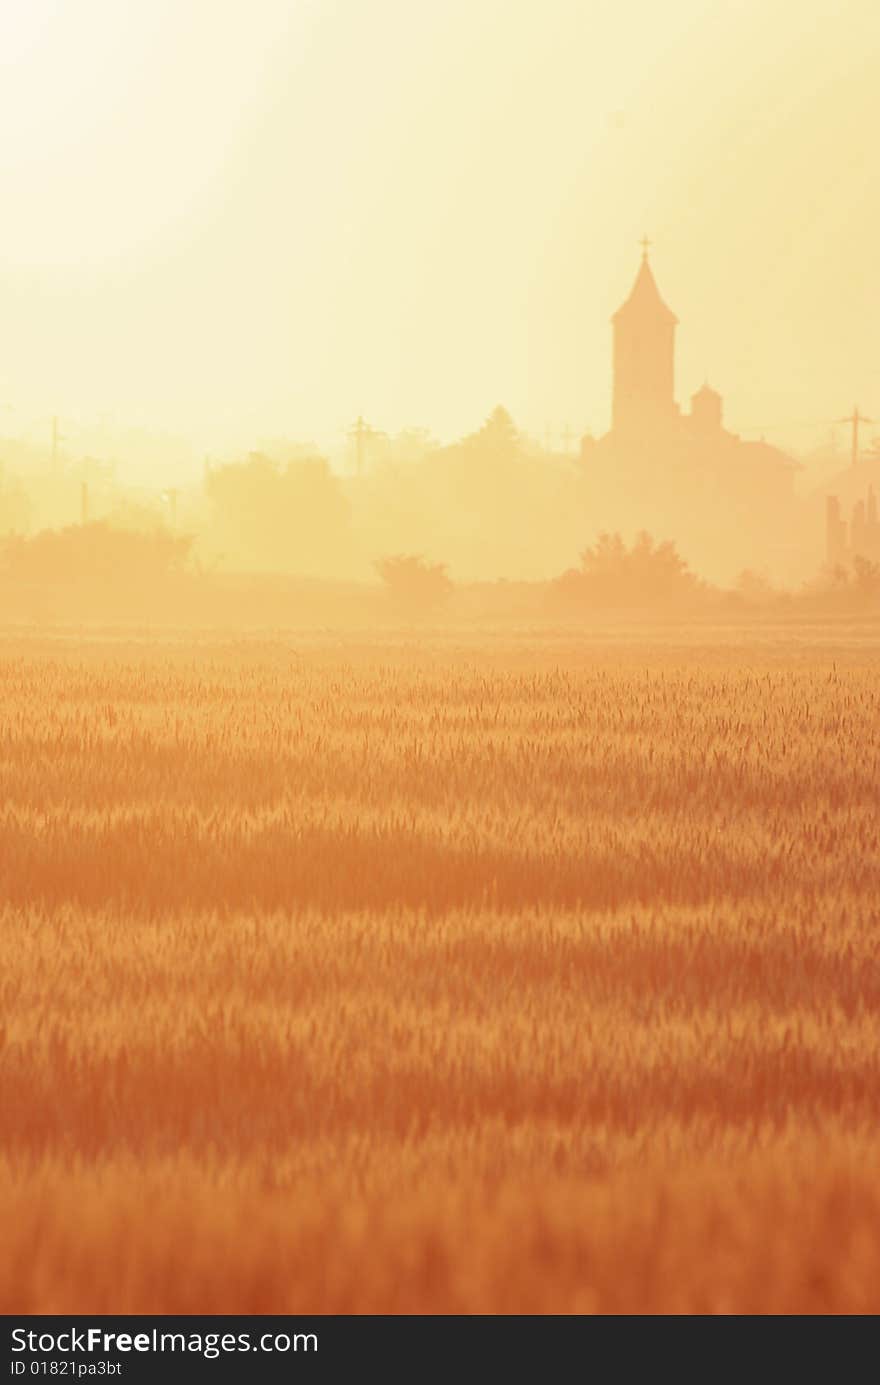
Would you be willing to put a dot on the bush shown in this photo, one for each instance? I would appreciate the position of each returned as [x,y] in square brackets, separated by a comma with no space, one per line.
[95,552]
[413,582]
[647,574]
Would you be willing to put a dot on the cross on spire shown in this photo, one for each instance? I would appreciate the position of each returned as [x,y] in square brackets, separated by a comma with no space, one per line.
[645,244]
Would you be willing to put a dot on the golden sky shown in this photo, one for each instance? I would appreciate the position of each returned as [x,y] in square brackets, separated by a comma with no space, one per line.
[239,218]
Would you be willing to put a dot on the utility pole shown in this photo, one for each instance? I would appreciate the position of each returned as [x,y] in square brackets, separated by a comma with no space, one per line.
[172,501]
[57,440]
[855,418]
[84,503]
[361,432]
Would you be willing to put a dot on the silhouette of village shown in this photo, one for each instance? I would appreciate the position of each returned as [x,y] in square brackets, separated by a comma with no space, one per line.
[693,478]
[687,467]
[496,505]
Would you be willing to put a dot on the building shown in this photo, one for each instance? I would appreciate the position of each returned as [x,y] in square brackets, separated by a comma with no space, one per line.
[859,538]
[681,475]
[644,361]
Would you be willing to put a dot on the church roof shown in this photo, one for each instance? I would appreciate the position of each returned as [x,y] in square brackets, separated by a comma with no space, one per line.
[644,299]
[767,454]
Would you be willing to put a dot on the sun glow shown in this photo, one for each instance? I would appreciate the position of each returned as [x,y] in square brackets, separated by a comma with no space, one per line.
[418,211]
[25,26]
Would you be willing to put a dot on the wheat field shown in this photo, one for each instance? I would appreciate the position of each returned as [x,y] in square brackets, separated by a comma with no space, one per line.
[440,975]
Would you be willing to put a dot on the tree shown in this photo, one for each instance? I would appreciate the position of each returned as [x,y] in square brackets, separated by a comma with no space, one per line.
[415,585]
[499,433]
[866,576]
[755,587]
[279,517]
[96,553]
[15,506]
[647,574]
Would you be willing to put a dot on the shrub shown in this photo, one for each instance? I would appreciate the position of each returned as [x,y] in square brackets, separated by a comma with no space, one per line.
[647,574]
[413,582]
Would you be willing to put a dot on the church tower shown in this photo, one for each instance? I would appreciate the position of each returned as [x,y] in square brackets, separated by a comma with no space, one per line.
[644,359]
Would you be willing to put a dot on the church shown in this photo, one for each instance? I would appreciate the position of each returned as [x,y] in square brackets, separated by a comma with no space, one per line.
[680,475]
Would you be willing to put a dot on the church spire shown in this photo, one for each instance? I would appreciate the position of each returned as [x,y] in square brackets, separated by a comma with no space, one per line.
[644,299]
[644,351]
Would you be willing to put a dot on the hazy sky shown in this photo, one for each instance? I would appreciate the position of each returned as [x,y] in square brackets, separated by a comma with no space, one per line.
[238,218]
